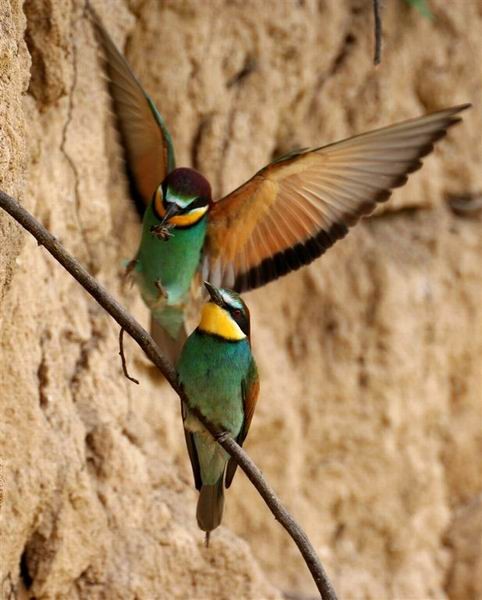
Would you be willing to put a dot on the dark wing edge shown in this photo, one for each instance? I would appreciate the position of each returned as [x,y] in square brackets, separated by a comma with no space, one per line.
[307,251]
[250,390]
[434,126]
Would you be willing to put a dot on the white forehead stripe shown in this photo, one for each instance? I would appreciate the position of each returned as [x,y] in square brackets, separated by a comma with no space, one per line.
[181,202]
[230,299]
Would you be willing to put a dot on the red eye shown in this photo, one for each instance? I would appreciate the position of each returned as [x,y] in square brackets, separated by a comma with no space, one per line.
[236,312]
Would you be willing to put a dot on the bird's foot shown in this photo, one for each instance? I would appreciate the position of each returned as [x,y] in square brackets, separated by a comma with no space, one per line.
[162,291]
[222,436]
[129,272]
[162,232]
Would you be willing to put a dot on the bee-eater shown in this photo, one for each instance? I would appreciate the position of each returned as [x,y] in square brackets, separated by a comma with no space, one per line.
[217,371]
[289,213]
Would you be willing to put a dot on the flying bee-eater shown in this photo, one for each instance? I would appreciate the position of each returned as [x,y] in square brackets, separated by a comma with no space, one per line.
[285,216]
[217,371]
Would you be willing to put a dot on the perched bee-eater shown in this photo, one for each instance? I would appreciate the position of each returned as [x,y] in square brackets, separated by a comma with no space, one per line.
[284,217]
[217,371]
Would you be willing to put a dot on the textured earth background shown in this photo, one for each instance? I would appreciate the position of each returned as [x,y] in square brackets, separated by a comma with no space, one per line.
[369,419]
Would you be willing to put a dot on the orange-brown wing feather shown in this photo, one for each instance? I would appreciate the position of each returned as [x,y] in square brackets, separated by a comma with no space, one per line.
[291,211]
[146,141]
[250,396]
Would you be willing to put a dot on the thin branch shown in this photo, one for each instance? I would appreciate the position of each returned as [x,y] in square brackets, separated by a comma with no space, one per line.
[123,358]
[144,340]
[377,17]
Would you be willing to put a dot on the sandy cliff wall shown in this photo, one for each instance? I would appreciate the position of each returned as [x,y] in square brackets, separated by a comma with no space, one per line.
[369,418]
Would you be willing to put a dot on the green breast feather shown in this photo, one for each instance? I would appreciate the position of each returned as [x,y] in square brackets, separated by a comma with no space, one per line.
[212,371]
[170,264]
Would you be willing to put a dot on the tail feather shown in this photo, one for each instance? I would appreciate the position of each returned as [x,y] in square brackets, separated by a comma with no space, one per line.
[169,346]
[210,505]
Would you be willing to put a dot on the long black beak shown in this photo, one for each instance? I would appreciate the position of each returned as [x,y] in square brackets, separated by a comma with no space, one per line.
[214,293]
[172,210]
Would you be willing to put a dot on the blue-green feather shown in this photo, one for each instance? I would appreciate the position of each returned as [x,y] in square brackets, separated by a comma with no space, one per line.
[212,371]
[172,263]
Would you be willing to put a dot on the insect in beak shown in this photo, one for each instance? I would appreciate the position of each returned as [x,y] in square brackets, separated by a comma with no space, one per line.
[163,230]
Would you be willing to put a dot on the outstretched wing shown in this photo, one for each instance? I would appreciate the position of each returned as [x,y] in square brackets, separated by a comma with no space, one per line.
[291,211]
[250,390]
[148,147]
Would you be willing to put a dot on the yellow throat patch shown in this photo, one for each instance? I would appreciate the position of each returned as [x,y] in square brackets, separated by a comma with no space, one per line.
[218,321]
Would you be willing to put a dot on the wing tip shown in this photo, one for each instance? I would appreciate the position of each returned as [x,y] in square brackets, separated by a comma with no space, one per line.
[291,259]
[461,107]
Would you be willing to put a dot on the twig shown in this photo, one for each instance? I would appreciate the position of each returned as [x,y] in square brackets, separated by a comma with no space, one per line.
[378,32]
[144,340]
[123,358]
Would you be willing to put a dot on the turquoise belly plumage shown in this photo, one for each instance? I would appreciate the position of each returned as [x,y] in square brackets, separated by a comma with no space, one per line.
[212,370]
[165,269]
[218,373]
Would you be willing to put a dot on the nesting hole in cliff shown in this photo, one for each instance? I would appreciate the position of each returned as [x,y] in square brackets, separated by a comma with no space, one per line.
[25,576]
[248,67]
[342,55]
[196,148]
[43,381]
[92,458]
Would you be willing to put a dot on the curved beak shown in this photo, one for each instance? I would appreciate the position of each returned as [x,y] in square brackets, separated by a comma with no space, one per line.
[214,293]
[172,210]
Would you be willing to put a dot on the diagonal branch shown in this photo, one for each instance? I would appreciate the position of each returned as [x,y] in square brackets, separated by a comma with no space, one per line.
[144,340]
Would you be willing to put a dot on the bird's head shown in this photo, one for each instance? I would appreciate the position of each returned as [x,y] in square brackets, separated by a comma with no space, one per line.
[225,315]
[182,199]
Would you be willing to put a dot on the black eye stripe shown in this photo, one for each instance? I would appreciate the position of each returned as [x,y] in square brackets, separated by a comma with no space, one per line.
[230,308]
[198,203]
[239,317]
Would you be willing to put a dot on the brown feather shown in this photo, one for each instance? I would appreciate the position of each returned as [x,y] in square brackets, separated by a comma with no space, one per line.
[145,144]
[294,209]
